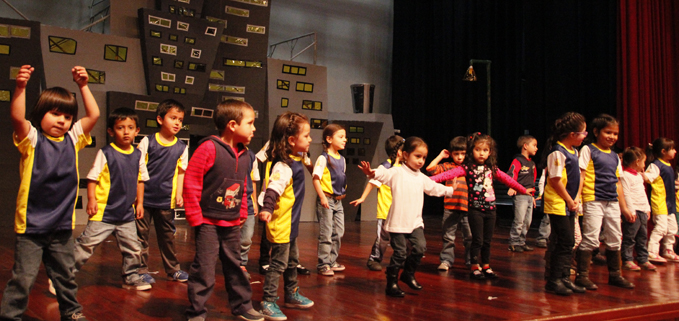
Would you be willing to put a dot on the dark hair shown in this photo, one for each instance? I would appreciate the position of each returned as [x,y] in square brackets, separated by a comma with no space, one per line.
[57,99]
[457,144]
[631,155]
[523,140]
[413,142]
[229,110]
[119,114]
[330,131]
[654,150]
[478,138]
[286,125]
[392,145]
[167,105]
[598,123]
[563,126]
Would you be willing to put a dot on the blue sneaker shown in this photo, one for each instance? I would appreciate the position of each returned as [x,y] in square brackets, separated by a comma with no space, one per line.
[179,276]
[296,300]
[147,278]
[271,311]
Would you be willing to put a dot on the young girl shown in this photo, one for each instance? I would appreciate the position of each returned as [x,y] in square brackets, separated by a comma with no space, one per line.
[393,148]
[330,182]
[634,234]
[281,210]
[663,200]
[48,191]
[404,222]
[480,169]
[561,198]
[602,202]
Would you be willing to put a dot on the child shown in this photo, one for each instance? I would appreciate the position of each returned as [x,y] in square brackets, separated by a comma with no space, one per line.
[213,196]
[404,222]
[634,235]
[166,159]
[561,198]
[392,146]
[454,208]
[480,169]
[602,202]
[249,226]
[44,218]
[115,194]
[282,208]
[523,171]
[663,200]
[330,182]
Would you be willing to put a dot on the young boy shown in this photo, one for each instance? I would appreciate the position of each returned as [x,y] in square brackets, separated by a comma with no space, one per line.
[115,188]
[455,207]
[523,171]
[166,159]
[213,197]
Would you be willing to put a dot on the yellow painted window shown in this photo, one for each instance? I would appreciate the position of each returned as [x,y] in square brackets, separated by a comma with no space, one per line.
[217,74]
[96,76]
[62,45]
[284,102]
[238,11]
[115,53]
[283,84]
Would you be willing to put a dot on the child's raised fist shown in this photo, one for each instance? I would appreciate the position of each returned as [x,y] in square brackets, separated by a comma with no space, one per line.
[80,76]
[24,75]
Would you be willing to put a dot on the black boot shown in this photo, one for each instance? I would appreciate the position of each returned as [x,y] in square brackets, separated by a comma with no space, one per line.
[582,279]
[408,275]
[557,287]
[614,275]
[392,283]
[567,283]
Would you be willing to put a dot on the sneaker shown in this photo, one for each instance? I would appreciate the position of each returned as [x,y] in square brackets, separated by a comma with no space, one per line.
[147,278]
[528,248]
[179,276]
[326,270]
[137,284]
[374,265]
[251,315]
[477,275]
[516,248]
[297,300]
[336,267]
[670,256]
[78,316]
[271,311]
[245,271]
[630,266]
[489,274]
[648,266]
[263,269]
[302,270]
[444,266]
[51,288]
[654,257]
[541,244]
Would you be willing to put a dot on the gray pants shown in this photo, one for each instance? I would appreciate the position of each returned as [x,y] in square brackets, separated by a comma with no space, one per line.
[331,227]
[126,235]
[598,214]
[381,242]
[451,221]
[544,229]
[163,220]
[284,260]
[523,216]
[246,233]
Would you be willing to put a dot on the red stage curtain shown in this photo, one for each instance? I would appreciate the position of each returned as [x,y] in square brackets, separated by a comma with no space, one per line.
[647,71]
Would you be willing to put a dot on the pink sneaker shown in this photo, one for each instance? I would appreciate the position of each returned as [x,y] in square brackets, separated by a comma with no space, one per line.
[670,256]
[654,257]
[631,266]
[648,266]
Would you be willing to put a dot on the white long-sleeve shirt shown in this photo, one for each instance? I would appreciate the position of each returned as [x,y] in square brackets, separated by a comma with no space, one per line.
[407,191]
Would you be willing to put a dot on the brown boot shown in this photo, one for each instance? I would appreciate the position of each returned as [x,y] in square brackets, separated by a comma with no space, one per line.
[582,279]
[614,275]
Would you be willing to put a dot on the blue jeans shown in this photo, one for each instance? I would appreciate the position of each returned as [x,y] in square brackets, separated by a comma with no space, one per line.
[545,229]
[126,235]
[451,221]
[284,260]
[246,233]
[55,250]
[634,237]
[523,215]
[381,242]
[331,231]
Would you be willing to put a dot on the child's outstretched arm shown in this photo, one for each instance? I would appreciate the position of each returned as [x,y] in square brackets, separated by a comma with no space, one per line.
[365,167]
[91,108]
[511,183]
[366,191]
[453,173]
[20,125]
[442,155]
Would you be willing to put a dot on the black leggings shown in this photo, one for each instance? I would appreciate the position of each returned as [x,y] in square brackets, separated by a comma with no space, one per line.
[561,242]
[482,224]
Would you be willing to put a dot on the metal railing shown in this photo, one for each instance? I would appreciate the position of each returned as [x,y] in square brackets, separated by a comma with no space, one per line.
[293,42]
[15,9]
[98,16]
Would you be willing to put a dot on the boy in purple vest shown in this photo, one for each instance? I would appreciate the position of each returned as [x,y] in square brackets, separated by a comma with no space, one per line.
[523,171]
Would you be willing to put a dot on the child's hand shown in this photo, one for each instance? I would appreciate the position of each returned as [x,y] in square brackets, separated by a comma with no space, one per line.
[572,205]
[324,201]
[264,216]
[92,207]
[629,216]
[179,200]
[80,76]
[24,75]
[140,212]
[444,154]
[648,216]
[242,222]
[511,192]
[529,191]
[357,202]
[365,167]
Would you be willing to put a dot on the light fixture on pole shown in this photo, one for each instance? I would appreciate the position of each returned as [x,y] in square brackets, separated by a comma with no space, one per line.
[470,75]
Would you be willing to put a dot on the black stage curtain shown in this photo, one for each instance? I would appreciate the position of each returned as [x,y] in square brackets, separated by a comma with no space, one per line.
[548,57]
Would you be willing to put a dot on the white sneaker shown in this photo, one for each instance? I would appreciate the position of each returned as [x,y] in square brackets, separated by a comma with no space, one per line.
[444,266]
[671,256]
[654,257]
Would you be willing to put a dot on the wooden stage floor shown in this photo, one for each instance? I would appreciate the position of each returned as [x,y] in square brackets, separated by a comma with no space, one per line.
[358,294]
